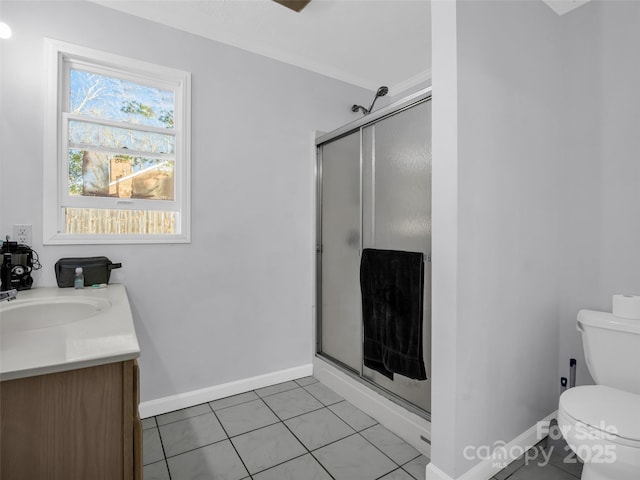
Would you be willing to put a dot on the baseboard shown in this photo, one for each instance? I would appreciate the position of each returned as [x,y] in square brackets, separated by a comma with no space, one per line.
[500,457]
[434,473]
[412,428]
[195,397]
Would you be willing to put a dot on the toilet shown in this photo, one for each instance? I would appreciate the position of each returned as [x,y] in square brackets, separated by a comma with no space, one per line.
[601,423]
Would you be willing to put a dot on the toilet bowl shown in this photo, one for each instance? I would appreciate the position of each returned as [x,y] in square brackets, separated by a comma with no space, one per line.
[601,423]
[602,426]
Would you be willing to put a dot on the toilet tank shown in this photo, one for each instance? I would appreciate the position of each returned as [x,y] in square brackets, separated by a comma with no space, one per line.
[612,349]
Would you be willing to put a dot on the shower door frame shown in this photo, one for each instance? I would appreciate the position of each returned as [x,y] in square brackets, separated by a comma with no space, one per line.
[357,126]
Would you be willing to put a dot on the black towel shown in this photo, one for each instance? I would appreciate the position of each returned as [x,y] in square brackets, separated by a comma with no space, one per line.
[392,284]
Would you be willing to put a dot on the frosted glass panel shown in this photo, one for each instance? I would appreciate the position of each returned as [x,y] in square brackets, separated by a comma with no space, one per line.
[402,185]
[341,336]
[396,186]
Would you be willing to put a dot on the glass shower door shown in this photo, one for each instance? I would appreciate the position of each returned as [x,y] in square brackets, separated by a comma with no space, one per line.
[340,333]
[396,193]
[374,191]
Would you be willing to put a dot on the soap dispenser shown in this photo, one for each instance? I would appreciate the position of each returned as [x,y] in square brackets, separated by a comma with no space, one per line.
[78,281]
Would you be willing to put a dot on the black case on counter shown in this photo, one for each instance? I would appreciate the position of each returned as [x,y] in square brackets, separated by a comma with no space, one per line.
[96,270]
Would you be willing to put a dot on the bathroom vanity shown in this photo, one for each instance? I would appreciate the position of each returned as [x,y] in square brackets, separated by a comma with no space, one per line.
[69,386]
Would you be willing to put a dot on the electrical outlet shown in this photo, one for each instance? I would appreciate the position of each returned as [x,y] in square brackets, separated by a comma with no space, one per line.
[22,234]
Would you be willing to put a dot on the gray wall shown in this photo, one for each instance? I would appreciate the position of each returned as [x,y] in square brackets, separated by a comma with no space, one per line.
[600,233]
[581,226]
[620,153]
[236,302]
[501,324]
[539,140]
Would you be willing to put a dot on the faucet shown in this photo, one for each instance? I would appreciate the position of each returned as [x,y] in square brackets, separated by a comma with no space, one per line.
[8,295]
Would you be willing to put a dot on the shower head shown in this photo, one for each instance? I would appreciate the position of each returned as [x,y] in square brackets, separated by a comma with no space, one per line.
[382,91]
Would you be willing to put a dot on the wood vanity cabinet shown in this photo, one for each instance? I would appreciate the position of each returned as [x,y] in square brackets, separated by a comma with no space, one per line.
[76,425]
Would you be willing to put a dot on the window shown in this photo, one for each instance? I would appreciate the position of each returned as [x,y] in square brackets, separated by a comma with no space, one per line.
[117,149]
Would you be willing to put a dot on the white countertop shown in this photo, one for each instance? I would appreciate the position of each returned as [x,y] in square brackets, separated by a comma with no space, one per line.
[106,337]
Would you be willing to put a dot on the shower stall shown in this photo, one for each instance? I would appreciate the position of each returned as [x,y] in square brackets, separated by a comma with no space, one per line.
[373,192]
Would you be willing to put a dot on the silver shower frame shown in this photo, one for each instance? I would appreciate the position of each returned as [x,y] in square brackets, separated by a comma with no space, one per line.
[357,125]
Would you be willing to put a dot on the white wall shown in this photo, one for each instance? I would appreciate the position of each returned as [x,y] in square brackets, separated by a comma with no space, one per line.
[542,139]
[620,154]
[504,327]
[581,225]
[601,179]
[236,302]
[510,150]
[444,237]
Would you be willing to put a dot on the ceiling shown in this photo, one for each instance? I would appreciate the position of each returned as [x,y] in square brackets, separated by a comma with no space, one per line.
[364,42]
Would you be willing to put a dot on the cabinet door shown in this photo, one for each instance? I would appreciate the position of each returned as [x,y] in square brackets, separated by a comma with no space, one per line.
[137,424]
[128,415]
[62,426]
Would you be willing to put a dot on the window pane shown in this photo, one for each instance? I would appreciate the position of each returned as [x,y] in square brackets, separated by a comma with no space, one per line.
[112,98]
[106,136]
[98,174]
[94,221]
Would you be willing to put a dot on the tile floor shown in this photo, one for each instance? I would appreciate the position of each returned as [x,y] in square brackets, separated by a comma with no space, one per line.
[297,430]
[546,461]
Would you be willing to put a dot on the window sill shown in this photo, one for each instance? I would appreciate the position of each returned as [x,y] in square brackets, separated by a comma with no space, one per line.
[64,239]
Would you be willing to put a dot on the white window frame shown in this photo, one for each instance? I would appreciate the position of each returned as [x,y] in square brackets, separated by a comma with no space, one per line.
[60,56]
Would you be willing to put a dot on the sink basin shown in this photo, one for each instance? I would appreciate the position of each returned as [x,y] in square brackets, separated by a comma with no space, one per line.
[32,314]
[50,329]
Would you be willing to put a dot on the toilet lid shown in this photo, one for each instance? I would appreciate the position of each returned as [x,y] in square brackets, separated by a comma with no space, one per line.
[606,409]
[608,321]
